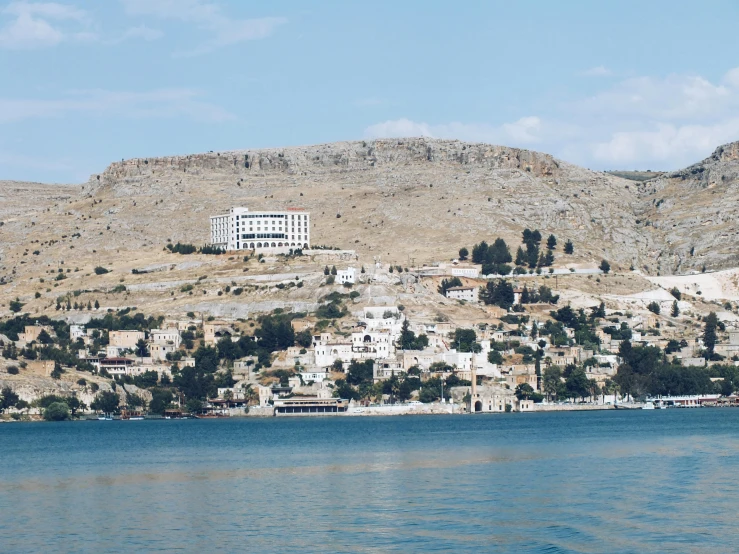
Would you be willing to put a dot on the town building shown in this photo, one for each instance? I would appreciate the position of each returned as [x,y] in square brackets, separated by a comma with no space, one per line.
[348,275]
[470,294]
[125,339]
[466,271]
[261,231]
[166,336]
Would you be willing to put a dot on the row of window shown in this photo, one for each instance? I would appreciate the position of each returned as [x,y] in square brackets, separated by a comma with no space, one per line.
[263,236]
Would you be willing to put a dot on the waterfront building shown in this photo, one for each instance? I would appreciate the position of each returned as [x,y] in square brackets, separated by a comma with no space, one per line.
[261,231]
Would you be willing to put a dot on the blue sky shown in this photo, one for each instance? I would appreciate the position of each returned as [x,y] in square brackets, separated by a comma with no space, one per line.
[627,84]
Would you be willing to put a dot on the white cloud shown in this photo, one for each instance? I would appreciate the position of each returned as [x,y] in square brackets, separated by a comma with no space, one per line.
[223,30]
[668,123]
[599,71]
[161,103]
[645,122]
[37,25]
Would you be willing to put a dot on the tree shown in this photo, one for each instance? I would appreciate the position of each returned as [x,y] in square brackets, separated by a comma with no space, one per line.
[142,349]
[333,270]
[569,247]
[577,383]
[709,333]
[446,284]
[524,391]
[74,404]
[551,380]
[675,309]
[326,271]
[228,349]
[8,399]
[44,337]
[654,307]
[57,411]
[463,253]
[551,242]
[99,270]
[360,373]
[521,258]
[106,402]
[407,337]
[16,305]
[495,357]
[465,340]
[674,291]
[605,267]
[532,254]
[304,338]
[194,406]
[498,293]
[97,304]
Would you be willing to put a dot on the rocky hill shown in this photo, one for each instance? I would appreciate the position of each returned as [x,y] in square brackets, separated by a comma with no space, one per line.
[407,201]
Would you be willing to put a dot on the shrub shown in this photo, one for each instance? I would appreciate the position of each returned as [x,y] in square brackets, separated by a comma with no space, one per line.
[13,370]
[99,270]
[57,411]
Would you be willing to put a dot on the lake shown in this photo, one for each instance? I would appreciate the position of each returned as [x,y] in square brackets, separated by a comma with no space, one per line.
[609,481]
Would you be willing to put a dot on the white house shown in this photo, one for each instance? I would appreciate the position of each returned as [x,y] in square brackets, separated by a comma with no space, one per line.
[166,336]
[471,272]
[318,376]
[348,275]
[261,231]
[470,294]
[77,332]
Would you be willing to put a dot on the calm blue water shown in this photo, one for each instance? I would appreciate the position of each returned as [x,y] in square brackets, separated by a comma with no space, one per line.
[571,482]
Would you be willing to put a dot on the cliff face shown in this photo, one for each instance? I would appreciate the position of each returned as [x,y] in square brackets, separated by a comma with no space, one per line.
[693,213]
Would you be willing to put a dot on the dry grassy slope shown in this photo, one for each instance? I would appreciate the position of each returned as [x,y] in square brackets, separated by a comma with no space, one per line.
[399,199]
[416,198]
[695,208]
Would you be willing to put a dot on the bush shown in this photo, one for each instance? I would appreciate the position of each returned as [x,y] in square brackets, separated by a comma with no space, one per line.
[57,411]
[99,270]
[13,370]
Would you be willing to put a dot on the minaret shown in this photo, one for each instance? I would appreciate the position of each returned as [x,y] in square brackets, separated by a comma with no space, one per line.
[473,393]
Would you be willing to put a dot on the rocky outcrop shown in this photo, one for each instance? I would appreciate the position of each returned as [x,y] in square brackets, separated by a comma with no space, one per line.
[693,214]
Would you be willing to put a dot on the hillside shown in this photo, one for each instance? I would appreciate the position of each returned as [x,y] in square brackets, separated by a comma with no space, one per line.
[417,198]
[406,201]
[693,214]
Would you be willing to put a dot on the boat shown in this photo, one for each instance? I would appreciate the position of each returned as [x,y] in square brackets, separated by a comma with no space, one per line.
[648,406]
[103,418]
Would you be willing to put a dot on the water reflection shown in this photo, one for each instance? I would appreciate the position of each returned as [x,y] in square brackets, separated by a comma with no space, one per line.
[562,482]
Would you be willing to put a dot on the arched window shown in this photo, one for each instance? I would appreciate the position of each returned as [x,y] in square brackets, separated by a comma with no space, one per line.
[251,246]
[273,245]
[367,338]
[259,245]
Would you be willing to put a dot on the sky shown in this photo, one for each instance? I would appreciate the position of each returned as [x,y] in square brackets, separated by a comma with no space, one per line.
[608,85]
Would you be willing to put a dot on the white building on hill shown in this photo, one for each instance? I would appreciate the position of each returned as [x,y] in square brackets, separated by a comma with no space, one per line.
[261,231]
[470,294]
[348,275]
